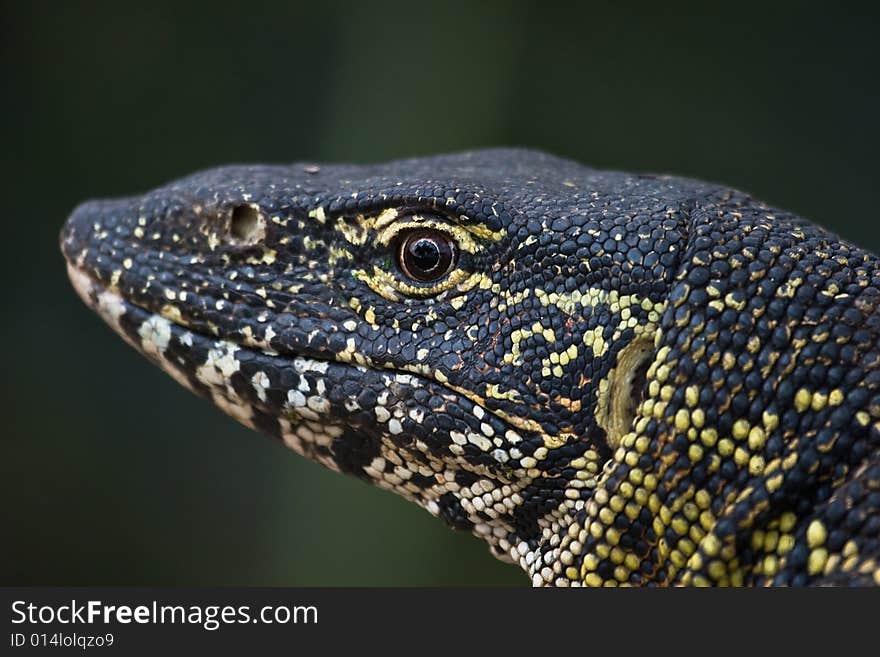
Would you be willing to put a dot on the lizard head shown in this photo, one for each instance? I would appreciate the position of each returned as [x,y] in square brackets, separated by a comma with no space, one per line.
[470,331]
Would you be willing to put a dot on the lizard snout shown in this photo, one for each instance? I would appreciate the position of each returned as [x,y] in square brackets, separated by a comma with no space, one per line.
[91,224]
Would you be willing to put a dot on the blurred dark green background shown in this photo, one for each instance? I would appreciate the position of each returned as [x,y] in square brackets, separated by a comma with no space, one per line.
[113,474]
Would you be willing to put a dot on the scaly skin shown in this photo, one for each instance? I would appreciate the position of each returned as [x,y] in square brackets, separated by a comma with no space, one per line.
[623,379]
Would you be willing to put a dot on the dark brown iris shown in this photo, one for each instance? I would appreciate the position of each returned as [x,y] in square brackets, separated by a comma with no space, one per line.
[426,255]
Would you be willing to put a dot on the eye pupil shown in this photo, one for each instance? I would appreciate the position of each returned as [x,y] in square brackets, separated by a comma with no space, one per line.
[426,255]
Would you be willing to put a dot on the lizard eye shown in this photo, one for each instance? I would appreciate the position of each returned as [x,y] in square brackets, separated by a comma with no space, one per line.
[426,255]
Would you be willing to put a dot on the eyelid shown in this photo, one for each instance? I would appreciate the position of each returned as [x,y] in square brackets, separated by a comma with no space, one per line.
[391,286]
[465,239]
[478,229]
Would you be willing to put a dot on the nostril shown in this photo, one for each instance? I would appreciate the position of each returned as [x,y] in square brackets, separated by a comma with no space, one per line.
[246,224]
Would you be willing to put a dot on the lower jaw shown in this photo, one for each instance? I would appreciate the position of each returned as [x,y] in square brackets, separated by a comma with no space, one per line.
[349,418]
[308,403]
[282,396]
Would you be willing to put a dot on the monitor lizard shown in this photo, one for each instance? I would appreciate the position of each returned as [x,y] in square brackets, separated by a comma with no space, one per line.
[613,379]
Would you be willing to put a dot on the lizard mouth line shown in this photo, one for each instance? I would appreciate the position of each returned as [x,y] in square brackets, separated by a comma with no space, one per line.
[208,372]
[111,305]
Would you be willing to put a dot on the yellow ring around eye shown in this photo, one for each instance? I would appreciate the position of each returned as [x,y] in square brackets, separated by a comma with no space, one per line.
[464,239]
[390,286]
[457,282]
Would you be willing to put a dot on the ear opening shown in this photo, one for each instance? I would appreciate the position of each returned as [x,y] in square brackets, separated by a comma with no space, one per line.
[626,389]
